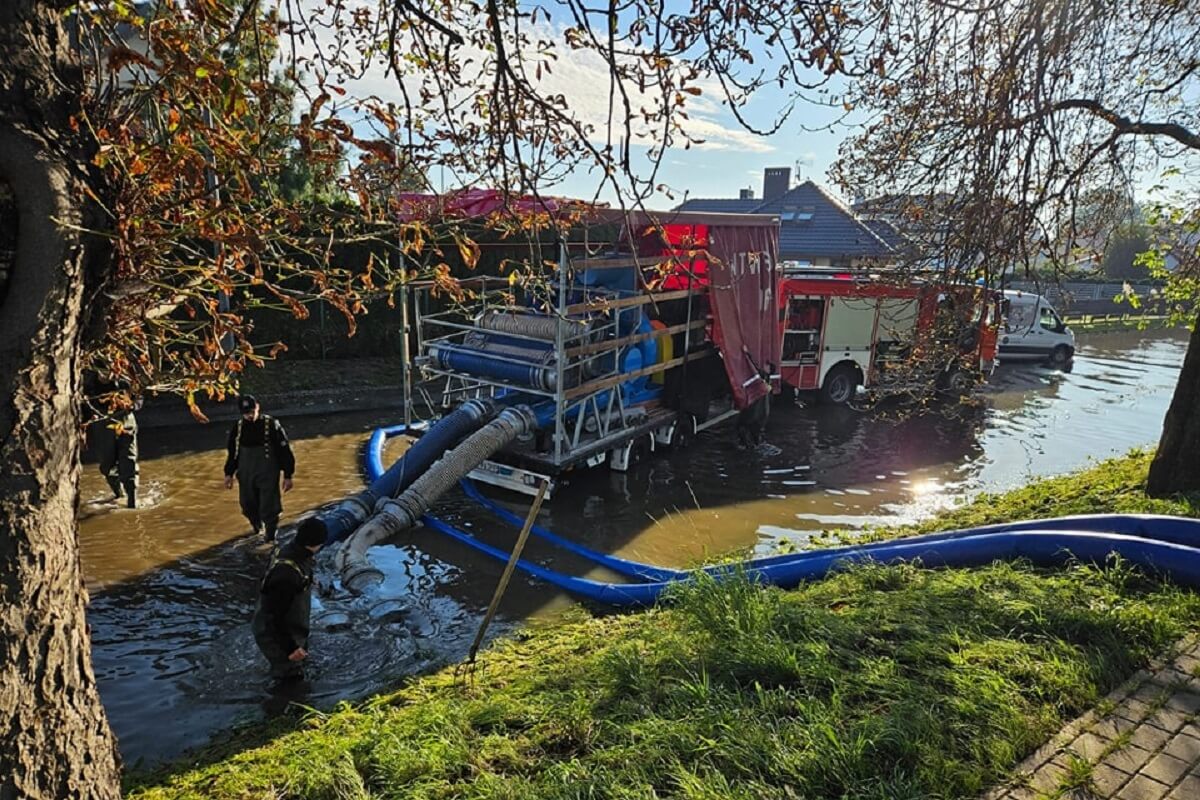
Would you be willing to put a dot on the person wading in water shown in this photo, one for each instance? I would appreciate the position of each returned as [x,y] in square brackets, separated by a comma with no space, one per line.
[281,619]
[258,451]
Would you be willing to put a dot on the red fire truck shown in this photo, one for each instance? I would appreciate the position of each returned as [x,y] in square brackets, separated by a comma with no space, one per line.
[843,330]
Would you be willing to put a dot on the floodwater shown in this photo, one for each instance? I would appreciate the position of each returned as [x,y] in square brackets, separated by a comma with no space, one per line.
[173,583]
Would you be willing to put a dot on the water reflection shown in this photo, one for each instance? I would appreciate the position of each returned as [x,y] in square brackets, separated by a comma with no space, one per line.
[174,583]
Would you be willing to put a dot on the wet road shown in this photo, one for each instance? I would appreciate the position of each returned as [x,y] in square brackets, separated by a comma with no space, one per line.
[173,583]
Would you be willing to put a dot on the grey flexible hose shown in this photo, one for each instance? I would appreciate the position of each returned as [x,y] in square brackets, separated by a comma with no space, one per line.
[392,516]
[536,326]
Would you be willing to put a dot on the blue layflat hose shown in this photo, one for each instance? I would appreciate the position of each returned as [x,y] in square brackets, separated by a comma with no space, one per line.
[373,459]
[1178,530]
[1043,548]
[622,566]
[1166,544]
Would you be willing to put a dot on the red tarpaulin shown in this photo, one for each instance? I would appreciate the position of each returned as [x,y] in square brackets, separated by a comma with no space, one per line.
[737,259]
[743,280]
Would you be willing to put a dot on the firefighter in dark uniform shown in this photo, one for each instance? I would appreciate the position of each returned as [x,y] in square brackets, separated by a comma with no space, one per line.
[258,450]
[113,437]
[281,619]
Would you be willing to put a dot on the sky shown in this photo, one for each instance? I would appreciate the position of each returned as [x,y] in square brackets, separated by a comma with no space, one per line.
[730,158]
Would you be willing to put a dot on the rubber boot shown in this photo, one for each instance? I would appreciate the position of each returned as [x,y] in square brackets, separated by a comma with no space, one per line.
[130,494]
[115,484]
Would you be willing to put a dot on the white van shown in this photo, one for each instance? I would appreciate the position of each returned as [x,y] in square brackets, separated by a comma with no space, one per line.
[1034,331]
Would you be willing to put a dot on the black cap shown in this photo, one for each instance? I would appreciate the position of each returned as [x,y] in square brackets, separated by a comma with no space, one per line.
[310,532]
[247,403]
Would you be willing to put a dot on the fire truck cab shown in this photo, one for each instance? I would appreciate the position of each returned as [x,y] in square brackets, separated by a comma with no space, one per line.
[843,330]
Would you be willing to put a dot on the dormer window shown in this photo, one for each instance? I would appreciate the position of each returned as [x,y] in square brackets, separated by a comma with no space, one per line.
[797,213]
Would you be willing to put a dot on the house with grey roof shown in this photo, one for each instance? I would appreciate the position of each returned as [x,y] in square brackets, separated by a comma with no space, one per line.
[815,228]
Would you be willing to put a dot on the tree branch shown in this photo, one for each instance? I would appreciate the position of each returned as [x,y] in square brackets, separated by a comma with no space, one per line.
[1124,124]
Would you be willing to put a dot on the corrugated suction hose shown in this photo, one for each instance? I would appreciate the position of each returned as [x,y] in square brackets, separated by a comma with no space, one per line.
[343,518]
[392,516]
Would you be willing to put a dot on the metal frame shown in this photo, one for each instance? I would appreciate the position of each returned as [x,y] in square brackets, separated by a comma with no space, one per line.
[591,416]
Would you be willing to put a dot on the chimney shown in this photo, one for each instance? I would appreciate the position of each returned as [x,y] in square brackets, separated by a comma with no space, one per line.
[746,194]
[776,182]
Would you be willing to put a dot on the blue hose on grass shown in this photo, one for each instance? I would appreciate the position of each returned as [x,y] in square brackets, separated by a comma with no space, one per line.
[1166,544]
[1177,530]
[1042,548]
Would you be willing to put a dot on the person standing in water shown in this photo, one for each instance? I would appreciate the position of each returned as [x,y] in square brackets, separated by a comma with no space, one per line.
[281,619]
[257,452]
[113,436]
[115,440]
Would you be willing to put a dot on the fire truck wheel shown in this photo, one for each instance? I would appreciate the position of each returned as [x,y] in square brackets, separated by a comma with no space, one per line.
[840,385]
[1060,355]
[957,383]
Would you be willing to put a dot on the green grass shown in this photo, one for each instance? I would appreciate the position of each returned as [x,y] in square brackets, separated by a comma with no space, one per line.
[880,682]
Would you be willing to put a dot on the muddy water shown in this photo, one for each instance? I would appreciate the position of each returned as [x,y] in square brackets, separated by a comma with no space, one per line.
[173,583]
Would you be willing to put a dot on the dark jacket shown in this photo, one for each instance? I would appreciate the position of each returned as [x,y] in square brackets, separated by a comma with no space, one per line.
[286,597]
[253,434]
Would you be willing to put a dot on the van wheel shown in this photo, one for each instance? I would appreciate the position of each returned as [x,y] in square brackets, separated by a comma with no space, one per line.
[1060,355]
[840,385]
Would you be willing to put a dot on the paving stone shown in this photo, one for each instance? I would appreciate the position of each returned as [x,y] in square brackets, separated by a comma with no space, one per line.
[1142,788]
[1189,789]
[1047,778]
[1184,747]
[1188,663]
[1166,768]
[1149,693]
[1185,702]
[1128,759]
[1107,780]
[1149,737]
[1089,747]
[1132,709]
[1021,793]
[1113,726]
[1190,729]
[1168,719]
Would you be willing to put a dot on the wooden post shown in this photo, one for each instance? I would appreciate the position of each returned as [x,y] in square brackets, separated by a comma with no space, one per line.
[508,570]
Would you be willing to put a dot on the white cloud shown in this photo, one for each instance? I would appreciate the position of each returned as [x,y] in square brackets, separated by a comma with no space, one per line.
[582,77]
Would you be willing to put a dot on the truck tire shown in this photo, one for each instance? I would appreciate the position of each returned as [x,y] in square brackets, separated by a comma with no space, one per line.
[957,382]
[1060,355]
[839,386]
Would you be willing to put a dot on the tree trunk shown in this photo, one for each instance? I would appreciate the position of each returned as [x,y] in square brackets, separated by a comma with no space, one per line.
[54,738]
[1176,466]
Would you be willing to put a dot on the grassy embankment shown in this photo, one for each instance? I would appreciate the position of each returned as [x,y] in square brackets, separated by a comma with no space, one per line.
[882,682]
